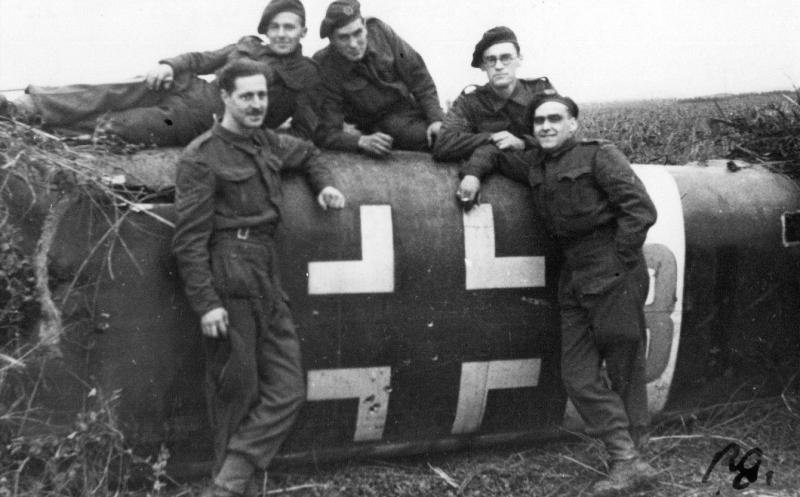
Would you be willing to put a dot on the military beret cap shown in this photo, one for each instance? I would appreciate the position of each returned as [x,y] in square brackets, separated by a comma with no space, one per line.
[551,96]
[275,7]
[340,12]
[499,34]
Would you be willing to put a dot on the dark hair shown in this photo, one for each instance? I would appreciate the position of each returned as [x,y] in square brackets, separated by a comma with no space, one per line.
[550,96]
[239,68]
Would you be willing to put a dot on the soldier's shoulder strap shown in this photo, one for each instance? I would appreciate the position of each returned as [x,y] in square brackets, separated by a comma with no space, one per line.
[469,89]
[538,84]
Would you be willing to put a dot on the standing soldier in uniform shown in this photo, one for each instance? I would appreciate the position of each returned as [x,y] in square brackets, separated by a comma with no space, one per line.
[491,117]
[228,203]
[171,105]
[599,213]
[375,80]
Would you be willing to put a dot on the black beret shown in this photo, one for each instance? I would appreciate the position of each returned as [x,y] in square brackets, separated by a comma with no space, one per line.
[340,12]
[499,34]
[275,7]
[550,96]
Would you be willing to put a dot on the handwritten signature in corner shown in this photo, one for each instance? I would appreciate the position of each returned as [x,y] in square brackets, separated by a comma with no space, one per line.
[742,473]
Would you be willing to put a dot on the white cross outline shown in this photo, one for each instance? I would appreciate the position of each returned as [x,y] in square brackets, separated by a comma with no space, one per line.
[374,273]
[369,385]
[483,269]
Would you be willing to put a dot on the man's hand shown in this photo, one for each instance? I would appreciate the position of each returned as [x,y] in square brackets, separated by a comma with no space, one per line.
[433,131]
[160,77]
[506,141]
[467,192]
[330,197]
[214,323]
[377,144]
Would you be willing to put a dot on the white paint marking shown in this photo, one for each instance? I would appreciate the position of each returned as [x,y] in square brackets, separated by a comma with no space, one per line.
[374,273]
[651,289]
[369,385]
[484,270]
[669,231]
[477,378]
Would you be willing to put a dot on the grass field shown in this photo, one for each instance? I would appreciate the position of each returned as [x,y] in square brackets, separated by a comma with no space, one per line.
[681,448]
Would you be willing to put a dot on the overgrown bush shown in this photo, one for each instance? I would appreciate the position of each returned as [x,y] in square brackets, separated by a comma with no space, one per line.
[90,458]
[17,288]
[38,457]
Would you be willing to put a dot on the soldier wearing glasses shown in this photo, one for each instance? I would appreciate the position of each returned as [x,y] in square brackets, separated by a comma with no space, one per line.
[599,213]
[491,118]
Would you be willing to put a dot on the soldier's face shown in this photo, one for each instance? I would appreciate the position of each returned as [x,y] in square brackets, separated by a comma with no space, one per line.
[501,61]
[285,31]
[246,105]
[351,40]
[553,125]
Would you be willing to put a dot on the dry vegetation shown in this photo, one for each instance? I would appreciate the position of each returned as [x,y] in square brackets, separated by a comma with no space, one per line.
[91,457]
[681,448]
[761,128]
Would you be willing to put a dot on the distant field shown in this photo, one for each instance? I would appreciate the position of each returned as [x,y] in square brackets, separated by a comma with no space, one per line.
[677,131]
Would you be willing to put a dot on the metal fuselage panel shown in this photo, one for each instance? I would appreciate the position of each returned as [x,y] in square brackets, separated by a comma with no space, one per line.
[421,326]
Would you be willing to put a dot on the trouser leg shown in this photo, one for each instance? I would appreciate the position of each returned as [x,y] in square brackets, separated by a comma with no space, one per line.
[130,110]
[231,375]
[625,359]
[408,127]
[281,389]
[600,407]
[66,105]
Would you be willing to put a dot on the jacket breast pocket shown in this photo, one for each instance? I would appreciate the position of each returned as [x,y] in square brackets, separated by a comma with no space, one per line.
[576,193]
[240,190]
[363,96]
[384,68]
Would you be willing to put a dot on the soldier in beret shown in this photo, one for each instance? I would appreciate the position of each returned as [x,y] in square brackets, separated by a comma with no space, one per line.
[375,80]
[599,212]
[490,118]
[171,105]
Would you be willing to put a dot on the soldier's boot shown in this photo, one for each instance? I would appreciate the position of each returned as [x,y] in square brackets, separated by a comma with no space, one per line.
[233,478]
[624,475]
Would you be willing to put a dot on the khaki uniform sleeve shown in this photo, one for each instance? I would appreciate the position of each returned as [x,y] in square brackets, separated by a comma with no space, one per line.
[298,155]
[329,133]
[412,69]
[200,62]
[636,212]
[488,159]
[194,205]
[459,136]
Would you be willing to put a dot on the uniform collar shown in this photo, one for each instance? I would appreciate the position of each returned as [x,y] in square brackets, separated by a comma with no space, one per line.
[348,65]
[248,143]
[297,52]
[565,147]
[520,95]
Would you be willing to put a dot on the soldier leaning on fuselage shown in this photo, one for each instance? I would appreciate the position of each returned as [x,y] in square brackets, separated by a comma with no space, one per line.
[228,200]
[492,117]
[599,212]
[375,80]
[172,105]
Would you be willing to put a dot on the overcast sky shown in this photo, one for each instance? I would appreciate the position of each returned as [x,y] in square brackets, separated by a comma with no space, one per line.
[593,50]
